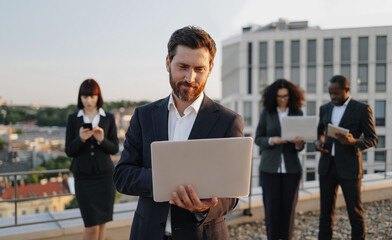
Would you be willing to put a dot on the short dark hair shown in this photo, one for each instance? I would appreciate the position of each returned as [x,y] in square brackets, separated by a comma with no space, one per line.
[342,80]
[192,37]
[296,95]
[90,87]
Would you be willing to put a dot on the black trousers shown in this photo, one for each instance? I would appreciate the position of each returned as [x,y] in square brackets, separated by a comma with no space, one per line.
[352,195]
[280,195]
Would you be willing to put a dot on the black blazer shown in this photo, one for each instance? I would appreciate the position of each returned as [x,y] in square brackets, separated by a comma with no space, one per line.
[358,118]
[269,126]
[90,159]
[133,174]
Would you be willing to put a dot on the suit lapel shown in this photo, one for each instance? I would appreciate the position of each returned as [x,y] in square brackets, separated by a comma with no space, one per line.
[329,113]
[205,119]
[102,122]
[160,120]
[349,110]
[275,119]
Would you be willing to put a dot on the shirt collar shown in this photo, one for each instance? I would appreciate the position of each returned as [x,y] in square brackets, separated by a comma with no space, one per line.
[345,103]
[195,105]
[100,112]
[277,109]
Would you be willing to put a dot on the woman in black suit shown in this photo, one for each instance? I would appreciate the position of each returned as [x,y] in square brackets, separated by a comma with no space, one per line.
[92,167]
[280,169]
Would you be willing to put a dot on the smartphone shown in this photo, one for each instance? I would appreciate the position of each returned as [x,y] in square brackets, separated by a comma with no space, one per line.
[88,125]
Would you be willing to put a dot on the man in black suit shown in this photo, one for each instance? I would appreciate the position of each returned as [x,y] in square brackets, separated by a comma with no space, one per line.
[341,156]
[187,113]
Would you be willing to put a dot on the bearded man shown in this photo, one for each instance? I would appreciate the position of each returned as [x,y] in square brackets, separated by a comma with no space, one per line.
[187,113]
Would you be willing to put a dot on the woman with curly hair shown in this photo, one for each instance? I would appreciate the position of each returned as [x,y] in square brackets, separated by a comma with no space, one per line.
[280,169]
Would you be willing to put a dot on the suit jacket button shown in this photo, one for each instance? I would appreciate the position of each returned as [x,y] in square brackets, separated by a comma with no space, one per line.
[92,153]
[92,146]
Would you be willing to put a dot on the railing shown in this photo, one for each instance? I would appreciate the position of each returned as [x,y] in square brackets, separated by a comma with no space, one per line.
[303,157]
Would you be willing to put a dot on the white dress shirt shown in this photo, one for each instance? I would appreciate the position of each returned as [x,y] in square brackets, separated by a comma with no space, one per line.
[96,119]
[336,117]
[179,128]
[282,167]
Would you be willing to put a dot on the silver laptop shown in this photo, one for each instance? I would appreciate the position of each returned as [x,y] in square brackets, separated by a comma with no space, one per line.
[305,127]
[219,167]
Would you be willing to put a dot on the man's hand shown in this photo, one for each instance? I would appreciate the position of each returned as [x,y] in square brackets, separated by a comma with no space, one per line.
[320,147]
[346,139]
[277,140]
[189,200]
[85,133]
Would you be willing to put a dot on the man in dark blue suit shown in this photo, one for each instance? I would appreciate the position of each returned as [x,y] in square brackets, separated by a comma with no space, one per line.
[187,113]
[341,156]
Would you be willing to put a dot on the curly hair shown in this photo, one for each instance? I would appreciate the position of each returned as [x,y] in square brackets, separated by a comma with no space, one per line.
[296,95]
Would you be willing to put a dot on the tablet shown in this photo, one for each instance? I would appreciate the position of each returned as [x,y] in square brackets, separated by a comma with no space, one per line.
[303,126]
[332,130]
[218,167]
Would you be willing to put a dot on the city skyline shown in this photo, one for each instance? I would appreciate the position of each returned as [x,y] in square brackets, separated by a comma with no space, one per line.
[48,48]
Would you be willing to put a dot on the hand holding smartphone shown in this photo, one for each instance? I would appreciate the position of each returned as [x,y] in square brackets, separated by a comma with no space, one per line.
[87,126]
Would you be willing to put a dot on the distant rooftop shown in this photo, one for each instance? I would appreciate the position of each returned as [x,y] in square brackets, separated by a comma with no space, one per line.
[36,190]
[281,25]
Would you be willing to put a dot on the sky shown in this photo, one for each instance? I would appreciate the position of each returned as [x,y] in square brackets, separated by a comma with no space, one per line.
[48,47]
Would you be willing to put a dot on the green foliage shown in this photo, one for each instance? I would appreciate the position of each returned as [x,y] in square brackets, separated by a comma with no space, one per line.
[35,178]
[16,114]
[19,131]
[117,196]
[59,162]
[72,204]
[2,142]
[51,116]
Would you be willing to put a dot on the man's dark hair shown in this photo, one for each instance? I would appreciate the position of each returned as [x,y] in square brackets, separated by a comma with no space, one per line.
[90,87]
[192,37]
[342,80]
[296,96]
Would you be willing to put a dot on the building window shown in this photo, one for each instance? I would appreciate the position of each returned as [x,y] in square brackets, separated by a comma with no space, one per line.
[311,74]
[311,148]
[345,57]
[310,108]
[364,156]
[263,73]
[380,113]
[248,113]
[381,63]
[278,59]
[36,210]
[250,68]
[310,174]
[328,63]
[363,64]
[380,156]
[295,62]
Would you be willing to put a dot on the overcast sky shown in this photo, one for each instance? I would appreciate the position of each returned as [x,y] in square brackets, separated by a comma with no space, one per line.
[48,47]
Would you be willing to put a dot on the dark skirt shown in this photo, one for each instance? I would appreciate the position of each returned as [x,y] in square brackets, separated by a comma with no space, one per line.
[95,198]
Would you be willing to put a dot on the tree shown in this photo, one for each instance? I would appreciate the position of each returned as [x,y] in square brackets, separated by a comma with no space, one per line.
[72,204]
[35,178]
[2,142]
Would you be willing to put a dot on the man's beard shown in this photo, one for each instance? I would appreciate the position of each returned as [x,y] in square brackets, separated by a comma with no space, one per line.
[186,95]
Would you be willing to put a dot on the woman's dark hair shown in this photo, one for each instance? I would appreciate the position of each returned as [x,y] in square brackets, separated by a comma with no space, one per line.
[90,87]
[192,37]
[296,96]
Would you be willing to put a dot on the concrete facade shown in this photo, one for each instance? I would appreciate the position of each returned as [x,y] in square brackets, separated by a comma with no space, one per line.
[309,56]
